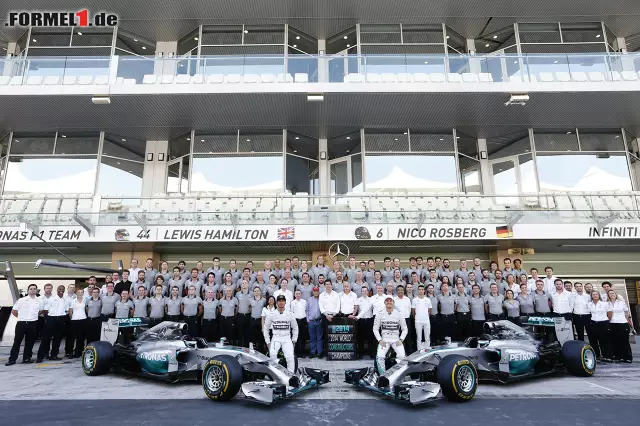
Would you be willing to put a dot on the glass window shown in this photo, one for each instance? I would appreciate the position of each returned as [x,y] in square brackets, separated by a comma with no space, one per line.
[123,147]
[178,175]
[33,143]
[61,175]
[413,173]
[562,140]
[118,176]
[221,34]
[380,33]
[260,142]
[539,33]
[496,41]
[582,32]
[422,33]
[468,163]
[343,41]
[77,143]
[344,145]
[300,42]
[264,34]
[356,172]
[189,43]
[92,36]
[302,145]
[302,175]
[508,145]
[237,173]
[45,37]
[600,140]
[387,141]
[131,43]
[588,173]
[180,146]
[455,42]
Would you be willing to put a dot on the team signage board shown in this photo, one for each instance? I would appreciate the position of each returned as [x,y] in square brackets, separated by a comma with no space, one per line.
[341,339]
[316,232]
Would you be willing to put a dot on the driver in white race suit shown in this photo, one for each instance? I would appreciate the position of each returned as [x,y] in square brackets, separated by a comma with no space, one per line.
[284,328]
[394,330]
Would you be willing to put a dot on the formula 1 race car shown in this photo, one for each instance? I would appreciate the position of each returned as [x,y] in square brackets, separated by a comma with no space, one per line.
[167,352]
[505,352]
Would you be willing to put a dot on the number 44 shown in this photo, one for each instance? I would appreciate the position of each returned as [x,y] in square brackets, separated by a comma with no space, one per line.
[142,235]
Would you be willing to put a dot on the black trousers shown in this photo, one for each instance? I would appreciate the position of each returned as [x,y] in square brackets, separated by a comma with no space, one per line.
[175,318]
[409,341]
[303,336]
[435,335]
[495,317]
[364,334]
[543,314]
[463,325]
[243,329]
[228,328]
[51,337]
[568,316]
[256,335]
[94,328]
[79,331]
[515,320]
[620,341]
[155,321]
[27,331]
[209,329]
[600,338]
[580,322]
[192,325]
[477,327]
[448,326]
[68,337]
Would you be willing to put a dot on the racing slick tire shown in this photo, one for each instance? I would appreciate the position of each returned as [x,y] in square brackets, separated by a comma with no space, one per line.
[457,377]
[97,358]
[283,361]
[579,358]
[222,378]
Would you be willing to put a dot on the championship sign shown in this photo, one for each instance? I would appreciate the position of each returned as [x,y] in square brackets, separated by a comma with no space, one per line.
[341,339]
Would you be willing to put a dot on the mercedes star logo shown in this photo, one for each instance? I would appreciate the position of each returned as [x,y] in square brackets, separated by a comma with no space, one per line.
[339,252]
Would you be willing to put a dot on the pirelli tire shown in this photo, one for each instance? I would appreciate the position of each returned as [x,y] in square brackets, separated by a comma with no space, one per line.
[579,358]
[97,358]
[222,378]
[457,377]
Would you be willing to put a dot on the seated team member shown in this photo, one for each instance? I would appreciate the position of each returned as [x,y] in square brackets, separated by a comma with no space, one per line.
[476,305]
[94,316]
[403,304]
[55,306]
[139,282]
[156,306]
[26,310]
[209,329]
[512,307]
[447,316]
[463,314]
[348,301]
[284,328]
[177,281]
[78,315]
[272,286]
[195,281]
[173,304]
[598,330]
[364,318]
[191,310]
[284,290]
[421,310]
[526,301]
[434,318]
[299,310]
[243,325]
[541,300]
[620,325]
[257,304]
[394,330]
[228,310]
[141,303]
[493,303]
[210,284]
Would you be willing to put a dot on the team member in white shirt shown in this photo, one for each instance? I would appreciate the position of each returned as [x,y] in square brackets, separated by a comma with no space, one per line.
[133,268]
[68,332]
[299,310]
[377,300]
[348,301]
[26,309]
[78,315]
[581,314]
[329,302]
[403,304]
[421,308]
[364,327]
[56,309]
[284,290]
[549,280]
[562,301]
[620,325]
[598,330]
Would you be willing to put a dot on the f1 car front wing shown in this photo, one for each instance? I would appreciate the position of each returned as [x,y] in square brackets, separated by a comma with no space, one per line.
[413,391]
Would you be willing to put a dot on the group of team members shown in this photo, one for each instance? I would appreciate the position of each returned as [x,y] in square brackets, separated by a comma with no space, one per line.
[435,303]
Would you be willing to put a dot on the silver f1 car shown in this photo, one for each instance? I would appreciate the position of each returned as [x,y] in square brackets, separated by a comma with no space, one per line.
[505,353]
[167,352]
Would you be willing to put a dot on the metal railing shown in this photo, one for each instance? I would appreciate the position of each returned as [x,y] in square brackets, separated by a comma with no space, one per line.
[332,68]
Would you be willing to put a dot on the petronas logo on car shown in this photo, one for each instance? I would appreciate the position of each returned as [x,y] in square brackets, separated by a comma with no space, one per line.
[522,356]
[153,357]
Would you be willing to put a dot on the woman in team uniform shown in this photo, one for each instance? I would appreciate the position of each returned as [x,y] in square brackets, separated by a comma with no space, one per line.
[228,310]
[173,304]
[512,306]
[209,328]
[272,286]
[256,305]
[434,318]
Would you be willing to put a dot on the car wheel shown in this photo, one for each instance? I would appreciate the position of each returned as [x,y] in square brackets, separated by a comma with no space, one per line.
[579,358]
[222,378]
[457,377]
[97,358]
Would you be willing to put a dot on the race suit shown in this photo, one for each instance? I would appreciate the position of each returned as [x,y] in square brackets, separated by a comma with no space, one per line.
[394,328]
[284,328]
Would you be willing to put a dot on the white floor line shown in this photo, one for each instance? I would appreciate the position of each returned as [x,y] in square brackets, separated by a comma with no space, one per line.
[593,384]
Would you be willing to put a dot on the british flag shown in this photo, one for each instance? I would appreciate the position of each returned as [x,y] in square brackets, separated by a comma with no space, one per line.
[287,233]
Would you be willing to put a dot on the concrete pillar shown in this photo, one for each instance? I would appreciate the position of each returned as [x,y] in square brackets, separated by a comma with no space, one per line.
[12,50]
[323,169]
[323,62]
[154,175]
[485,168]
[166,62]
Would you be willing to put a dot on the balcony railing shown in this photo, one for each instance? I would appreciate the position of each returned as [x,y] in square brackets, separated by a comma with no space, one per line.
[483,69]
[210,209]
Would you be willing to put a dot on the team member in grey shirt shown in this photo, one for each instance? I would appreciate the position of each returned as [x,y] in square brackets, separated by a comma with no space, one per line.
[164,272]
[433,280]
[270,271]
[350,272]
[477,268]
[333,275]
[109,303]
[511,285]
[162,283]
[255,307]
[434,317]
[287,275]
[217,270]
[141,304]
[209,329]
[413,267]
[338,284]
[525,299]
[458,288]
[356,286]
[304,268]
[210,284]
[387,271]
[377,280]
[235,273]
[174,303]
[415,282]
[447,317]
[191,310]
[94,317]
[305,288]
[485,283]
[476,304]
[243,325]
[195,281]
[139,282]
[499,281]
[369,275]
[228,309]
[493,302]
[320,268]
[228,283]
[272,286]
[446,271]
[259,282]
[200,268]
[156,303]
[463,314]
[176,281]
[124,306]
[512,306]
[149,272]
[462,272]
[472,281]
[541,300]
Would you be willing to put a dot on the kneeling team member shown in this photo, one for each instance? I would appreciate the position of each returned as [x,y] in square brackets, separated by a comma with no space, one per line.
[394,330]
[285,333]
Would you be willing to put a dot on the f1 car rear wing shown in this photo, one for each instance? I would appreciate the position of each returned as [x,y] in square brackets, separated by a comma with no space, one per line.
[563,328]
[544,321]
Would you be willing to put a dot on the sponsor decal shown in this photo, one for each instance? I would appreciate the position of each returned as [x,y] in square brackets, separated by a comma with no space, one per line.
[80,18]
[49,235]
[614,232]
[249,234]
[153,356]
[522,356]
[441,232]
[122,235]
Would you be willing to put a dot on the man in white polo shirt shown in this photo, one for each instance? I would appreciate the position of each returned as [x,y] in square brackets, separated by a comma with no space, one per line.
[26,309]
[562,301]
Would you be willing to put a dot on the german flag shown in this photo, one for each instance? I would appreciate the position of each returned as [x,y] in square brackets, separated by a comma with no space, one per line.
[504,232]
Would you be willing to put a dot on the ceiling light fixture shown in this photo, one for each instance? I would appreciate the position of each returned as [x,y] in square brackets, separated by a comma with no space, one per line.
[348,137]
[246,31]
[598,36]
[64,136]
[426,62]
[144,47]
[396,139]
[297,137]
[34,40]
[135,39]
[441,139]
[124,140]
[101,100]
[348,45]
[486,45]
[295,45]
[447,37]
[495,36]
[404,133]
[295,151]
[117,162]
[348,151]
[195,38]
[315,98]
[345,37]
[188,139]
[555,62]
[297,37]
[201,140]
[248,140]
[79,33]
[568,133]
